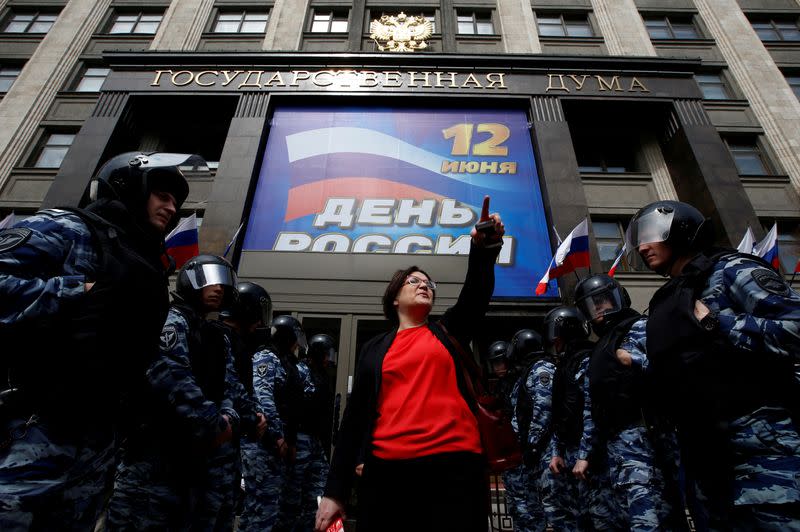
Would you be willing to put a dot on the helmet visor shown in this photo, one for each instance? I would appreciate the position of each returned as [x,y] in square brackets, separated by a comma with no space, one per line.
[184,161]
[332,356]
[211,274]
[600,304]
[651,227]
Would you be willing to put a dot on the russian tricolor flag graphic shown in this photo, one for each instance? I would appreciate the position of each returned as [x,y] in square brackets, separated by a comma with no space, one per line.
[767,249]
[573,253]
[613,269]
[182,243]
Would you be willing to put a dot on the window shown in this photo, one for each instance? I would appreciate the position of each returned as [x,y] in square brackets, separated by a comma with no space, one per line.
[788,244]
[135,23]
[7,77]
[747,155]
[671,28]
[794,83]
[564,26]
[241,22]
[54,150]
[30,23]
[475,24]
[329,22]
[777,30]
[608,153]
[608,235]
[92,79]
[713,86]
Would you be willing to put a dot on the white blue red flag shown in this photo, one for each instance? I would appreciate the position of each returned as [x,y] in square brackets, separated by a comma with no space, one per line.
[8,221]
[613,269]
[767,249]
[748,242]
[182,243]
[572,253]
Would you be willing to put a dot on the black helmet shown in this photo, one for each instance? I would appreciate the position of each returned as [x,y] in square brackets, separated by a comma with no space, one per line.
[524,343]
[677,224]
[600,295]
[285,332]
[131,177]
[565,322]
[202,271]
[322,347]
[252,306]
[497,351]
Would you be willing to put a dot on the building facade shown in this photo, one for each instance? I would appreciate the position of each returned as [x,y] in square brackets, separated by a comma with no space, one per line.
[567,109]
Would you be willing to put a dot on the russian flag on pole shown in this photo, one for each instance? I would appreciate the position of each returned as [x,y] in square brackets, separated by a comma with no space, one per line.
[748,242]
[767,249]
[613,269]
[182,243]
[572,253]
[8,221]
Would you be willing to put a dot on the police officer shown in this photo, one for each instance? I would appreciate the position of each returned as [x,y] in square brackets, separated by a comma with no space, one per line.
[309,472]
[279,393]
[243,324]
[528,407]
[574,432]
[85,294]
[174,472]
[723,340]
[625,423]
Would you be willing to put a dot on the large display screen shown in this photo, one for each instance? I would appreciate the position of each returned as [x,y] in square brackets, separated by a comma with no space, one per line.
[407,181]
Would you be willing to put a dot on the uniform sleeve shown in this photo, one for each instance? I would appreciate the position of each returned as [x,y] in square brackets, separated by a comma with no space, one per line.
[267,371]
[756,308]
[513,399]
[171,379]
[309,388]
[45,268]
[635,342]
[587,438]
[235,394]
[538,385]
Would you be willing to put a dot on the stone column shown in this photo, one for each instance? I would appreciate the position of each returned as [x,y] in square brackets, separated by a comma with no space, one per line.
[182,25]
[237,167]
[518,27]
[657,166]
[622,28]
[27,102]
[770,97]
[285,28]
[562,188]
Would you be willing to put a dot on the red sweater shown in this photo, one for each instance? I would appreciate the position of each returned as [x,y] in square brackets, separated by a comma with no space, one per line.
[420,408]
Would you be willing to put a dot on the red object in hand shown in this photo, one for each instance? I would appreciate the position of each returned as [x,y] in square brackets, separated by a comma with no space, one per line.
[337,526]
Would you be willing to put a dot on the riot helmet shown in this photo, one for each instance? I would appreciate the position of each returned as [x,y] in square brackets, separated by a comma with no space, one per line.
[600,295]
[322,348]
[286,331]
[525,343]
[679,225]
[564,323]
[253,306]
[497,356]
[202,271]
[131,177]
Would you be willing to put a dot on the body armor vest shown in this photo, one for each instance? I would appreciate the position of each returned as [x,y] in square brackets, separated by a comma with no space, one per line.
[207,354]
[568,395]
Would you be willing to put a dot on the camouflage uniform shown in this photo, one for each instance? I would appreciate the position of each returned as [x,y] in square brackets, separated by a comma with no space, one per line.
[170,475]
[760,314]
[591,500]
[56,468]
[542,505]
[264,472]
[306,475]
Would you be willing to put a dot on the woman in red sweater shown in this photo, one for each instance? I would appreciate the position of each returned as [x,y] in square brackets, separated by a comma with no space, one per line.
[410,415]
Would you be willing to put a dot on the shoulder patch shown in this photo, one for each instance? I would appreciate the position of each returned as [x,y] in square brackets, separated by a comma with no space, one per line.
[169,337]
[545,379]
[261,370]
[771,281]
[13,238]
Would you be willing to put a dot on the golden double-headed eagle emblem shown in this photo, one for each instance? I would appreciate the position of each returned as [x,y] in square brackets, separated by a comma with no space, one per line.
[401,33]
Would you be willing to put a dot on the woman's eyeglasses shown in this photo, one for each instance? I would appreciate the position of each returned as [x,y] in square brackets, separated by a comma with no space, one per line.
[414,281]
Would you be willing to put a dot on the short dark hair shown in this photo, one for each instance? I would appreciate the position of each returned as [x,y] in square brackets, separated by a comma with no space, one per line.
[393,288]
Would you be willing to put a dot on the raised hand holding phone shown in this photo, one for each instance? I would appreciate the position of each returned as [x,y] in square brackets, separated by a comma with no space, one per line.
[489,229]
